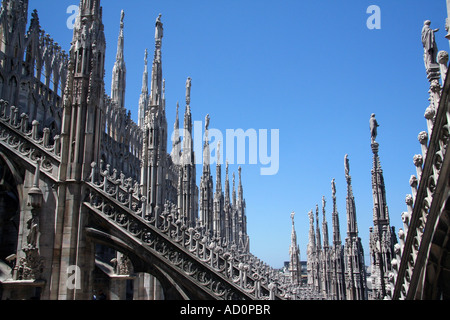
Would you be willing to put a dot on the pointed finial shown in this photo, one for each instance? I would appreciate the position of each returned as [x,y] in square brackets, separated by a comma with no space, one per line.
[37,173]
[176,125]
[311,217]
[120,41]
[146,57]
[323,208]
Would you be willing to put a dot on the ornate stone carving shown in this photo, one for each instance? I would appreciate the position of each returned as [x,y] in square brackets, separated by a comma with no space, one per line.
[429,45]
[188,90]
[373,127]
[31,266]
[442,59]
[197,247]
[158,29]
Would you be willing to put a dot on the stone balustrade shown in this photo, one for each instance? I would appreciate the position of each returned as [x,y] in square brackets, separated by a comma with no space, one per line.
[410,254]
[31,144]
[118,199]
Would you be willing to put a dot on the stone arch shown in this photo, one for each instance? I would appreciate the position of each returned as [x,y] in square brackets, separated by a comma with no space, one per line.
[170,287]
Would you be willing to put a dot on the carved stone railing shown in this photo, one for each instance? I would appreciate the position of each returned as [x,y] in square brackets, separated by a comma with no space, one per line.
[221,273]
[27,144]
[303,293]
[118,199]
[418,219]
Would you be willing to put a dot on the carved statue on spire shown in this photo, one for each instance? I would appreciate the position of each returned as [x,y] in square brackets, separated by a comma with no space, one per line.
[206,132]
[429,45]
[347,165]
[188,91]
[158,29]
[373,127]
[333,187]
[347,168]
[292,217]
[122,17]
[207,118]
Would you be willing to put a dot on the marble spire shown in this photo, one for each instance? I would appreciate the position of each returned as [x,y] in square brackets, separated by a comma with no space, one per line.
[294,253]
[118,84]
[382,235]
[143,99]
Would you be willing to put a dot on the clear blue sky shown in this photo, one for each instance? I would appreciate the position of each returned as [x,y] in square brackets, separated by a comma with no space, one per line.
[311,69]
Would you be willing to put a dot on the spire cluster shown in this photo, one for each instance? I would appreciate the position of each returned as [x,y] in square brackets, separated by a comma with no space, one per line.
[338,272]
[172,178]
[335,272]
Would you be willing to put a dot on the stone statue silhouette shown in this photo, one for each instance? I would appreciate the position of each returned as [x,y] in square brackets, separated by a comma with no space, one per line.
[207,118]
[188,90]
[33,226]
[158,29]
[429,44]
[347,166]
[373,127]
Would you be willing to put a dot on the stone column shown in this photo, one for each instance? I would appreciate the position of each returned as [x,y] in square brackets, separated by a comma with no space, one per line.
[141,289]
[118,287]
[157,290]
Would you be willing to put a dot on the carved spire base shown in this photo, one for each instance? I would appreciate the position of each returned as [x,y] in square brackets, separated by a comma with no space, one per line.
[374,146]
[433,72]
